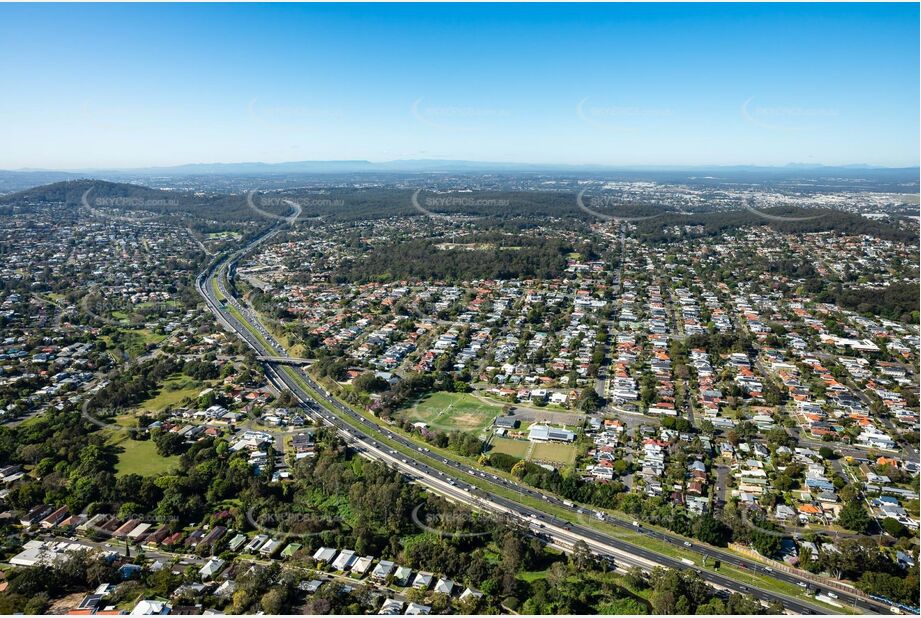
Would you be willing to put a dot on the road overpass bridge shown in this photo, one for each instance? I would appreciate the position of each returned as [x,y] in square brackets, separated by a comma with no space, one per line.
[286,360]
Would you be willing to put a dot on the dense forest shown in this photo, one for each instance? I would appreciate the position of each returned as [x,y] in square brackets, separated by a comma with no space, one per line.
[824,220]
[362,204]
[344,204]
[899,301]
[483,256]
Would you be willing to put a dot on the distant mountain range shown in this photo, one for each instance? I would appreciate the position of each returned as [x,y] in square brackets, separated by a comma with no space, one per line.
[16,180]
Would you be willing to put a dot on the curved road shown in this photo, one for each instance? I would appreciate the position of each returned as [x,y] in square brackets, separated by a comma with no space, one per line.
[560,532]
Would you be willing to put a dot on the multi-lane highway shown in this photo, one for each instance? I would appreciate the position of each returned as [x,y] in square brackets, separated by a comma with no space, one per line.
[366,437]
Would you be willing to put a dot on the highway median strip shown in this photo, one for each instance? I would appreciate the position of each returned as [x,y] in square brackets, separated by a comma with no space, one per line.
[636,539]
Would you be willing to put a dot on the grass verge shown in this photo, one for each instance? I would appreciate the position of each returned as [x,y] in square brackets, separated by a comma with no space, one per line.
[637,539]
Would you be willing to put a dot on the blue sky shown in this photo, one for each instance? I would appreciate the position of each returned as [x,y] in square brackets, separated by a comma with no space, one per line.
[654,84]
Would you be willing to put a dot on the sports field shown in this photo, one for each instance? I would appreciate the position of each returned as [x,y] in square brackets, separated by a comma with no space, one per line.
[558,455]
[454,412]
[515,448]
[548,452]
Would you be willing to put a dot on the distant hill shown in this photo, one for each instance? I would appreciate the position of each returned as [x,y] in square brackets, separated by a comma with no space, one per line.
[134,197]
[72,191]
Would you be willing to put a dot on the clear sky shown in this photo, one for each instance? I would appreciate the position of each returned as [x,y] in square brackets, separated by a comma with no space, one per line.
[655,84]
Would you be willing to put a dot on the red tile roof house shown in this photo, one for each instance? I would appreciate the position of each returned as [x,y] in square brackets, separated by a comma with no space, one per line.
[172,539]
[54,518]
[156,537]
[818,431]
[127,527]
[111,525]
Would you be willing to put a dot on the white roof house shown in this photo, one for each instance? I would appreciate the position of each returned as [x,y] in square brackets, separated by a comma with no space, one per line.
[344,560]
[150,608]
[470,592]
[417,609]
[402,575]
[211,568]
[444,586]
[383,569]
[258,541]
[362,565]
[422,581]
[139,530]
[325,554]
[270,547]
[391,607]
[36,552]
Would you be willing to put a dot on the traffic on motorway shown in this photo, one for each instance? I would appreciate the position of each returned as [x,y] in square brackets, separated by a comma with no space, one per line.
[550,528]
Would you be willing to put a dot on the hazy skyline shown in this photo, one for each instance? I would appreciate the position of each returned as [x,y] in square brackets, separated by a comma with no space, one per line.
[119,86]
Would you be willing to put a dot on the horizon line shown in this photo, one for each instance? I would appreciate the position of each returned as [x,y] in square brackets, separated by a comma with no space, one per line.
[509,165]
